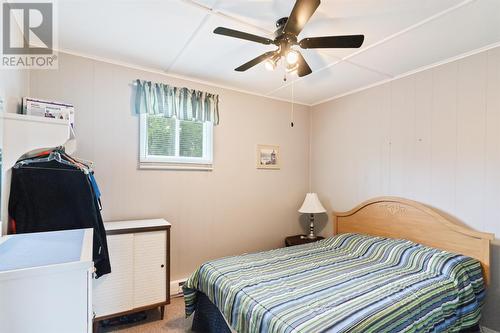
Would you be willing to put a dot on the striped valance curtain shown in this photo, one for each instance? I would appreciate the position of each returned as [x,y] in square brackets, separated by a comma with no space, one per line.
[175,102]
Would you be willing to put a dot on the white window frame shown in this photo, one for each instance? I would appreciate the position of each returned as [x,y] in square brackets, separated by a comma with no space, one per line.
[175,162]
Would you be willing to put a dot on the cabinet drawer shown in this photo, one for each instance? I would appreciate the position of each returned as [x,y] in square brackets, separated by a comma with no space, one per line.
[150,268]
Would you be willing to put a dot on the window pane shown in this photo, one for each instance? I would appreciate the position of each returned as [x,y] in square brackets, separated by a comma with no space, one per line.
[161,136]
[191,139]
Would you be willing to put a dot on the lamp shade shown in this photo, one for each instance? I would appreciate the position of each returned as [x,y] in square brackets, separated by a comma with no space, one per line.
[312,205]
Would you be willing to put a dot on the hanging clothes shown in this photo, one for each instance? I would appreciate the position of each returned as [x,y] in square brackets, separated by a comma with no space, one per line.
[57,194]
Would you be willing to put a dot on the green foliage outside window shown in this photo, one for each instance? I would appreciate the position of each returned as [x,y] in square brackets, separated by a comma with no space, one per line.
[191,139]
[162,134]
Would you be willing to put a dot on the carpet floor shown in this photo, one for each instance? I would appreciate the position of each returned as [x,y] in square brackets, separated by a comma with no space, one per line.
[175,321]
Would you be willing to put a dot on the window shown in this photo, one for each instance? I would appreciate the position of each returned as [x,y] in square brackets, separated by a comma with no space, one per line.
[173,143]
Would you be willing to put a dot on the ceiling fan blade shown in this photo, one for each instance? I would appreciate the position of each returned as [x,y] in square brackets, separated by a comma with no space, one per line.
[300,15]
[255,61]
[328,42]
[242,35]
[303,68]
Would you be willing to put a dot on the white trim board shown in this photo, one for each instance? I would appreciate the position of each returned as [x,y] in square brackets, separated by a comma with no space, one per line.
[385,40]
[415,71]
[208,83]
[172,75]
[213,10]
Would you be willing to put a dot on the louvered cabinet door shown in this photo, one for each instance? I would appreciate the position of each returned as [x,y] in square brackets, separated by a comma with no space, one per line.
[113,293]
[150,268]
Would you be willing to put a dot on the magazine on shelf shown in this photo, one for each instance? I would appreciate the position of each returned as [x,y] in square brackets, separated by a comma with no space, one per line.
[49,109]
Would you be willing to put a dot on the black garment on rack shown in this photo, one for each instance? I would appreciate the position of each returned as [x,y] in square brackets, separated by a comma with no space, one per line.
[50,196]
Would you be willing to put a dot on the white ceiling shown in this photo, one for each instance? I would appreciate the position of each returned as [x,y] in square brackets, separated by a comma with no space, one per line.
[175,36]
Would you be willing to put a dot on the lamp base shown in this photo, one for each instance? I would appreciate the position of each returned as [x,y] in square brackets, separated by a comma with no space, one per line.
[309,237]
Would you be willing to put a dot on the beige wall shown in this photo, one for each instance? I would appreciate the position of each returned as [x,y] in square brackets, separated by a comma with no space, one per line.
[14,84]
[433,137]
[233,209]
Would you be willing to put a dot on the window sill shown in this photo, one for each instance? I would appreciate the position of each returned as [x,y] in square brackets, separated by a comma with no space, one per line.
[175,166]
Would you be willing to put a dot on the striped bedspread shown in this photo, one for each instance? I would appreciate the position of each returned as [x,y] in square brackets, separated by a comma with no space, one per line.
[348,283]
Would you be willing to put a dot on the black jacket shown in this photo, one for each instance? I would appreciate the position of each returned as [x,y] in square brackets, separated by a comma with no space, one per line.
[50,196]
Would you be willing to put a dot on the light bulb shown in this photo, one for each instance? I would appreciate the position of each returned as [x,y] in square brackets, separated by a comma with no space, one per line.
[292,57]
[270,65]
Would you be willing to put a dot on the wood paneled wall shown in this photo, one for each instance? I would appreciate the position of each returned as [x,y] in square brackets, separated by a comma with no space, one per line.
[233,209]
[433,137]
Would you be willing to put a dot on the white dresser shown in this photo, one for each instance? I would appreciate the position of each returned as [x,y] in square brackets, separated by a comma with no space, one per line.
[139,252]
[46,282]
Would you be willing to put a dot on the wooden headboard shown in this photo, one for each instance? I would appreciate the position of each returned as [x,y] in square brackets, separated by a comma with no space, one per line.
[402,218]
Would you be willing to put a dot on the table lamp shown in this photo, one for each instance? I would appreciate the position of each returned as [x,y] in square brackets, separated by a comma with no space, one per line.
[311,206]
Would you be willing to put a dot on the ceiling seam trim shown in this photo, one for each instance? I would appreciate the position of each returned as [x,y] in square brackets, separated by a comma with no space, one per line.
[289,83]
[210,11]
[411,28]
[412,72]
[389,76]
[175,76]
[388,38]
[214,11]
[224,15]
[369,69]
[188,42]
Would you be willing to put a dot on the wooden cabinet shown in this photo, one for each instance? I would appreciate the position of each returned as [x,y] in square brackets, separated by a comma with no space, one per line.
[45,282]
[140,269]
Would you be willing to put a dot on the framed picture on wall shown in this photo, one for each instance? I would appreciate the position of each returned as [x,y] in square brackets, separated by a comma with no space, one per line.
[268,157]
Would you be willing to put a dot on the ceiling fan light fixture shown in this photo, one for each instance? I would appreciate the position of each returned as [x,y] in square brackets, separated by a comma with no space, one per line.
[285,38]
[292,57]
[270,64]
[292,68]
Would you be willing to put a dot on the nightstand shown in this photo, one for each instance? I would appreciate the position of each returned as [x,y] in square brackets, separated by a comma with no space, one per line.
[300,239]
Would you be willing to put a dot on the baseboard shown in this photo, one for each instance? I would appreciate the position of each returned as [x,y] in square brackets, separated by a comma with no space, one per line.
[176,287]
[488,330]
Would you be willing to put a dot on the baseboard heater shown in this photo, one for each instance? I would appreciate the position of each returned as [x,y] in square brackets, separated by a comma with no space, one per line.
[176,287]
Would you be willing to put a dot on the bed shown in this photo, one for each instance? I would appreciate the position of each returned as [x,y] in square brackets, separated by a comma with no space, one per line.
[394,265]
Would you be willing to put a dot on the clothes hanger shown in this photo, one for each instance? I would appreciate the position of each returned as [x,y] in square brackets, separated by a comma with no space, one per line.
[53,156]
[85,168]
[88,163]
[58,154]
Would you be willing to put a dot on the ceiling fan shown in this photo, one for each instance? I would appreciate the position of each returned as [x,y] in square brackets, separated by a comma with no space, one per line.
[286,38]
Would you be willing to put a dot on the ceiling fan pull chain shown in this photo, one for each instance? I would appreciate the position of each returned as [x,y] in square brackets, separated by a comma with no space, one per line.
[293,102]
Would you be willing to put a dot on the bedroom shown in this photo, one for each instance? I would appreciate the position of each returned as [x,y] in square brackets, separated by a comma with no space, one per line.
[413,112]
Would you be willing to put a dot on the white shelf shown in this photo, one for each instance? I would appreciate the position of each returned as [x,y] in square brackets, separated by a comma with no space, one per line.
[133,224]
[24,117]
